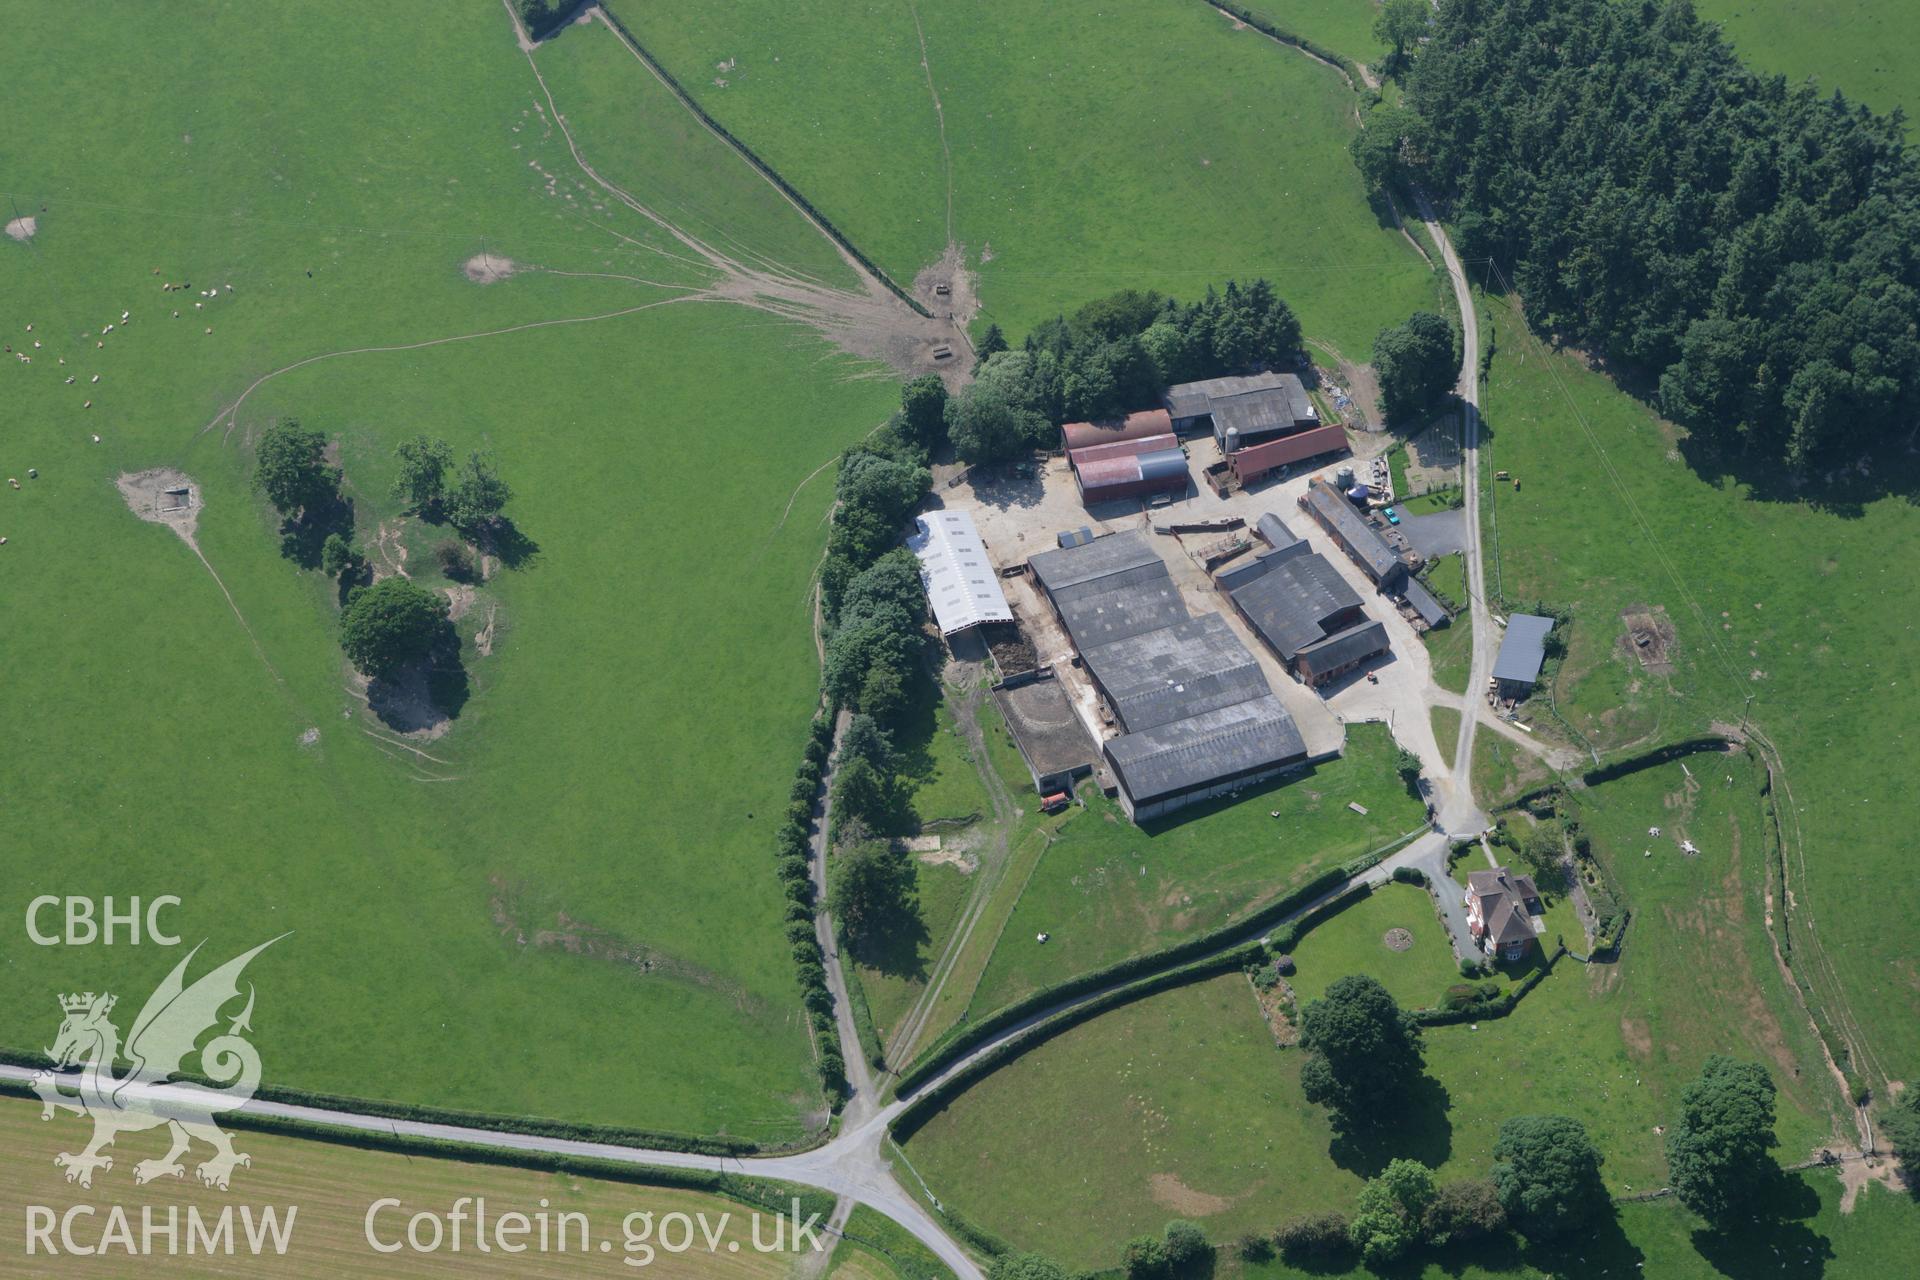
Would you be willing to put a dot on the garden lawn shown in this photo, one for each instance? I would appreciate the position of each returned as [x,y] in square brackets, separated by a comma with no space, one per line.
[1078,165]
[1785,610]
[1106,889]
[469,943]
[1355,942]
[1446,727]
[1450,648]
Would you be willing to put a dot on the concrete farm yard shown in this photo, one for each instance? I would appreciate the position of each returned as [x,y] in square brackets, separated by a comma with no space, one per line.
[667,268]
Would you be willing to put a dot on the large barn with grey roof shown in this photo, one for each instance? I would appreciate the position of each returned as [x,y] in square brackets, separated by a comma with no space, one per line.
[1196,714]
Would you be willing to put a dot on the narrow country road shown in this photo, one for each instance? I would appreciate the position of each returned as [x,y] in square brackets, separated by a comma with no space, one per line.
[1460,813]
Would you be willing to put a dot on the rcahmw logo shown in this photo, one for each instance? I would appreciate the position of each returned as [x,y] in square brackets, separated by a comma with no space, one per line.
[86,1079]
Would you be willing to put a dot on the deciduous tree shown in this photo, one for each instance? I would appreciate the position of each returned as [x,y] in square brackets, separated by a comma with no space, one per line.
[392,624]
[1718,1152]
[1547,1172]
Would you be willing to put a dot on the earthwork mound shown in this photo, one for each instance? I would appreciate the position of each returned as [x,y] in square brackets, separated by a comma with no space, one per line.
[1398,940]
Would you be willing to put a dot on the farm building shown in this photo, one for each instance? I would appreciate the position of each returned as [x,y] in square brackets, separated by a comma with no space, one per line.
[1129,468]
[1350,530]
[1426,606]
[1504,911]
[1251,462]
[1310,617]
[1196,715]
[1051,739]
[1135,426]
[1108,589]
[1522,650]
[961,584]
[1258,407]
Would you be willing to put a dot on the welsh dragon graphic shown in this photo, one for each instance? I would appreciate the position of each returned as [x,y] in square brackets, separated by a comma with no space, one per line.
[163,1037]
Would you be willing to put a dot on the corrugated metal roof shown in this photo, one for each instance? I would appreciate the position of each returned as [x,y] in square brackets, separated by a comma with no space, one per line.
[1291,603]
[1194,666]
[1147,422]
[1193,399]
[1264,410]
[1165,465]
[1123,448]
[1522,649]
[1260,458]
[961,584]
[1071,567]
[1237,739]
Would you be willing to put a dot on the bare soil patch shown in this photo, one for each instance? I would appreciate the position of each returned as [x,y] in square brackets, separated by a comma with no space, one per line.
[1397,940]
[1637,1037]
[459,601]
[489,268]
[1856,1174]
[1274,1005]
[163,496]
[1171,1193]
[1649,638]
[22,229]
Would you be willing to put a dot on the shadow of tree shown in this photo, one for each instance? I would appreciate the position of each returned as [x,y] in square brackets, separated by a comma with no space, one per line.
[504,539]
[1774,1240]
[899,950]
[423,695]
[1414,1128]
[301,538]
[1600,1248]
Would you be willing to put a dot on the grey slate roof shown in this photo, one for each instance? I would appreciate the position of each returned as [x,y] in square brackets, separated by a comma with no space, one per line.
[1343,648]
[1354,533]
[1187,669]
[1523,648]
[1290,603]
[1424,603]
[1272,528]
[1241,738]
[1109,589]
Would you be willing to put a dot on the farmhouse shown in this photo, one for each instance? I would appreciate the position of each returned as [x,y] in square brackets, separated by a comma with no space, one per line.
[1196,715]
[1522,650]
[1504,912]
[961,584]
[1310,617]
[1350,530]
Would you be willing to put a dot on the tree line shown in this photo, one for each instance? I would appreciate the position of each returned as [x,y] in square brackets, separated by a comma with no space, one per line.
[1114,355]
[1748,248]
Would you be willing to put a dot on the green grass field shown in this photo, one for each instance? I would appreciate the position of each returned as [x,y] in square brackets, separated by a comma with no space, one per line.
[1107,889]
[470,943]
[1344,26]
[1777,609]
[1863,48]
[1079,164]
